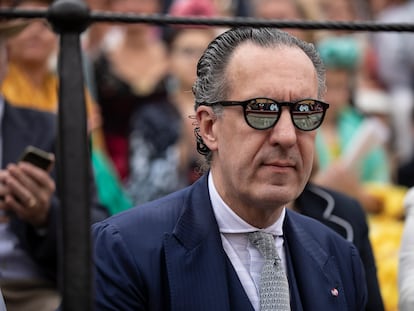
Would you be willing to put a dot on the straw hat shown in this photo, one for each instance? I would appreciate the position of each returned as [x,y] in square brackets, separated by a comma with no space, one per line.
[11,27]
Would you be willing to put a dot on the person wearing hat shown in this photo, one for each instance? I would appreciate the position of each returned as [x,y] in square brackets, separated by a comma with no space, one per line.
[29,205]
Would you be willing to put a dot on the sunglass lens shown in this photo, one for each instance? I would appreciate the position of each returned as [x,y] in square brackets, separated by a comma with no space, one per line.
[262,113]
[308,114]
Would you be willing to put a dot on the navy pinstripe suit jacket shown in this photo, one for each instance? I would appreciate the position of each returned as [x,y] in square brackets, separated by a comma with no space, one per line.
[168,255]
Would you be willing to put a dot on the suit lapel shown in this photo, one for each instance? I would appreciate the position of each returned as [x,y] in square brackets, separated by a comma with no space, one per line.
[316,273]
[201,278]
[195,258]
[295,300]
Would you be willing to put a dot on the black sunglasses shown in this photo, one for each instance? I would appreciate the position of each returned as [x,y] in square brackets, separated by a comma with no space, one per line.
[263,113]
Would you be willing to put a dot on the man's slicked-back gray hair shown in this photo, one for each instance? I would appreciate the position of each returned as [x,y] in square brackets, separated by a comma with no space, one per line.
[211,84]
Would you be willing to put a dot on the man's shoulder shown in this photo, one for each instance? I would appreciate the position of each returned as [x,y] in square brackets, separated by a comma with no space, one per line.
[316,248]
[142,229]
[159,215]
[313,237]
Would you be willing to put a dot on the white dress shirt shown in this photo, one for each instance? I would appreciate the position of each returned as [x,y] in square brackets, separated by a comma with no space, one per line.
[245,258]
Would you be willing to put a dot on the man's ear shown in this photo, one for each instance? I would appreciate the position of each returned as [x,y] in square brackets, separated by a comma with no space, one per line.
[206,120]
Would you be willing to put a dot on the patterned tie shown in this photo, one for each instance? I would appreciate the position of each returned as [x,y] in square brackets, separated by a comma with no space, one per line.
[274,287]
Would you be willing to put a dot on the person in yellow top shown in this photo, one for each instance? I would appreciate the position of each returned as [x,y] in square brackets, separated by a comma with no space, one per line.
[31,79]
[31,91]
[31,82]
[40,92]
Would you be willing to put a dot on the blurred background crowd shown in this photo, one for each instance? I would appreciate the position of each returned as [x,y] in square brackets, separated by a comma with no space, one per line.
[138,81]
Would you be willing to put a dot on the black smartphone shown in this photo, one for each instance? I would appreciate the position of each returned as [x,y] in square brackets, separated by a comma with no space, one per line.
[38,157]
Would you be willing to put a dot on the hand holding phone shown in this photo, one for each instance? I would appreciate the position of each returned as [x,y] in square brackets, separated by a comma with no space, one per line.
[38,157]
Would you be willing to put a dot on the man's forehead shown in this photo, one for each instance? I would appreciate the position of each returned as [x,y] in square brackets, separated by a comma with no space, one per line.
[250,47]
[251,54]
[255,70]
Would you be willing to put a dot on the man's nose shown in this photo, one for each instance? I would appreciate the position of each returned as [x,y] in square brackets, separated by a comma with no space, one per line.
[284,131]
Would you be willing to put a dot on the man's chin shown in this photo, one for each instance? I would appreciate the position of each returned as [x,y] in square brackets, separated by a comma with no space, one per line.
[280,194]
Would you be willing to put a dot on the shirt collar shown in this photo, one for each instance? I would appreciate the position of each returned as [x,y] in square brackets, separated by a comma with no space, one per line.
[229,222]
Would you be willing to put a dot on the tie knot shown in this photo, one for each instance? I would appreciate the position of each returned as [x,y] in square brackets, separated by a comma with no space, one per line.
[265,243]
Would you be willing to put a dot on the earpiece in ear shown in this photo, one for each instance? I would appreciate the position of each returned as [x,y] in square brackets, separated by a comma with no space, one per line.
[201,146]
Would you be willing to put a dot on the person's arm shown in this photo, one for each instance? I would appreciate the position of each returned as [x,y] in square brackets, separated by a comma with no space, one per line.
[406,260]
[338,177]
[37,226]
[31,206]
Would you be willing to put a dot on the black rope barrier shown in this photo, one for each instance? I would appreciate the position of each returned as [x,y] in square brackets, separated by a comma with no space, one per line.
[249,21]
[162,19]
[69,18]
